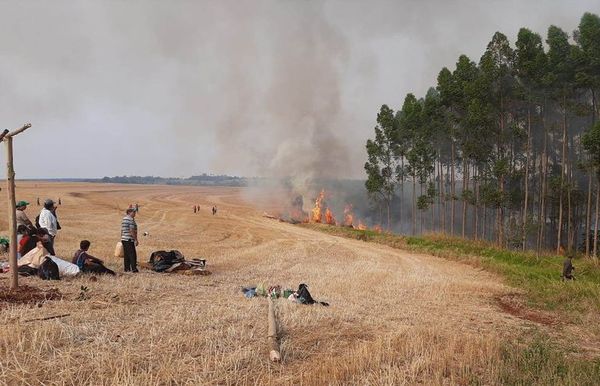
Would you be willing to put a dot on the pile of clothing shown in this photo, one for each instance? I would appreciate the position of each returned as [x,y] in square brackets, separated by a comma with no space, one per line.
[40,262]
[301,296]
[174,261]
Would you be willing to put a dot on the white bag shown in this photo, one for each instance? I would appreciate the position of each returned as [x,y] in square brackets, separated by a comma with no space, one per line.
[119,252]
[65,268]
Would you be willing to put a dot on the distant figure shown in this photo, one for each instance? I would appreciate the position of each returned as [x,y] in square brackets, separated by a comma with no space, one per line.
[568,269]
[137,207]
[38,201]
[214,210]
[88,263]
[48,221]
[22,218]
[59,201]
[129,238]
[195,209]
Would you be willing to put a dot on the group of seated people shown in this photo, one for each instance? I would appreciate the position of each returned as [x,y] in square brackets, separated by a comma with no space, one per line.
[34,246]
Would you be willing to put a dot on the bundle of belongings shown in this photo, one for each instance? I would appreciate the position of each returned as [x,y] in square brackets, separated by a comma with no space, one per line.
[40,262]
[174,261]
[302,296]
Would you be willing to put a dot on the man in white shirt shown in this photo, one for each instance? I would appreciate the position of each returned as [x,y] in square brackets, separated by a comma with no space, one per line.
[48,220]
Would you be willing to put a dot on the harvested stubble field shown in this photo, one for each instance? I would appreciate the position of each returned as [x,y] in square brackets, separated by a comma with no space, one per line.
[396,317]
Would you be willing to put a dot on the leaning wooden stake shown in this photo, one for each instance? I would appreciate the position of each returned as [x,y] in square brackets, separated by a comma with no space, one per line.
[274,353]
[12,220]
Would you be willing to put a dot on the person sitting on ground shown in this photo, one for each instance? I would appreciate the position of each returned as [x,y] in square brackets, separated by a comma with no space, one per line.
[568,268]
[21,216]
[35,235]
[21,233]
[88,263]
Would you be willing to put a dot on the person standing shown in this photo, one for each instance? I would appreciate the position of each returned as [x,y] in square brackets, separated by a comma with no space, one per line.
[48,221]
[129,238]
[22,218]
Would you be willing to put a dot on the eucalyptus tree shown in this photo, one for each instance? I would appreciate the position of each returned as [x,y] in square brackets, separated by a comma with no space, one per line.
[496,67]
[530,67]
[381,163]
[560,77]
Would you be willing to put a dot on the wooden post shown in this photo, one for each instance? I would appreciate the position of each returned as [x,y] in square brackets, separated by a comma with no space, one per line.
[274,353]
[12,219]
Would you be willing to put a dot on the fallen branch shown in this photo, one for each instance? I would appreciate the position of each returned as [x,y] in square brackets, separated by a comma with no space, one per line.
[46,318]
[274,353]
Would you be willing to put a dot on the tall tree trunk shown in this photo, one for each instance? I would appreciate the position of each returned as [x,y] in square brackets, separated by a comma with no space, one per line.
[524,230]
[562,176]
[441,205]
[543,184]
[464,189]
[421,210]
[595,252]
[401,194]
[476,188]
[414,210]
[588,214]
[452,189]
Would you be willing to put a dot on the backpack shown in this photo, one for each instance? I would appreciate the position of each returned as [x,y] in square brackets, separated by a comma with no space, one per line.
[304,296]
[48,270]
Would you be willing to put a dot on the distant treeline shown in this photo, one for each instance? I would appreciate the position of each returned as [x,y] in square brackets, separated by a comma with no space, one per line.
[201,180]
[504,149]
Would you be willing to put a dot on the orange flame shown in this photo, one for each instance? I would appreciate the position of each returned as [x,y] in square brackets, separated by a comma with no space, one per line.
[348,215]
[317,211]
[329,217]
[361,226]
[377,228]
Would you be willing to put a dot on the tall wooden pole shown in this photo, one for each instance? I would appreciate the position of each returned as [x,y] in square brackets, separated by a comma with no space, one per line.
[12,215]
[12,218]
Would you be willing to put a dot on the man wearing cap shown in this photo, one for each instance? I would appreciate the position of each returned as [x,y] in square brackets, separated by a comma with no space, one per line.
[22,218]
[129,239]
[48,220]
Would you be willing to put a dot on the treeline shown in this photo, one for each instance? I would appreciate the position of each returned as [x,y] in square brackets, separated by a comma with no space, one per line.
[201,180]
[504,149]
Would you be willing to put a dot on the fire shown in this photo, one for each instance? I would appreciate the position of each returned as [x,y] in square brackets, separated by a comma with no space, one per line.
[348,215]
[361,226]
[317,211]
[329,217]
[377,228]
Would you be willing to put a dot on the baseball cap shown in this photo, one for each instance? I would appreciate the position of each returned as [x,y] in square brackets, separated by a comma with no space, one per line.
[22,203]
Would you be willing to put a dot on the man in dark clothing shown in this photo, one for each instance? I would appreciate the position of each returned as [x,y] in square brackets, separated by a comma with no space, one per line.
[129,238]
[88,263]
[568,269]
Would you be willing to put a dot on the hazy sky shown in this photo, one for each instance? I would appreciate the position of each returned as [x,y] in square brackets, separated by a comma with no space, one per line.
[271,88]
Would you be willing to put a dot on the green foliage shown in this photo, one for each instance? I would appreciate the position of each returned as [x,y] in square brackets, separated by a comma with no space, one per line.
[591,143]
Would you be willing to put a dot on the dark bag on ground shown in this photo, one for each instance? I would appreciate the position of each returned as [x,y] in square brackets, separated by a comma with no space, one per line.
[48,270]
[163,260]
[305,297]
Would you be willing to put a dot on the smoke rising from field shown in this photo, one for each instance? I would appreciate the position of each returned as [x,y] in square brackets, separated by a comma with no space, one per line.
[254,88]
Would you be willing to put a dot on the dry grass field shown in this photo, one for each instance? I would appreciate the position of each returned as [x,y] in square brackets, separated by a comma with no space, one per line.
[396,317]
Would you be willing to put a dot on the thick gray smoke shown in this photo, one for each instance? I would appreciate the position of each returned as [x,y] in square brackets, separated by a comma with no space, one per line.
[290,124]
[245,87]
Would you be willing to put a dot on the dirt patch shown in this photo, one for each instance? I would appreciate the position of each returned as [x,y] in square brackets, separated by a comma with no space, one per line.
[26,295]
[513,304]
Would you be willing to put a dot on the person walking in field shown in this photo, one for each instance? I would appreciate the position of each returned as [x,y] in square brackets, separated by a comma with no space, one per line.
[48,221]
[22,218]
[129,238]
